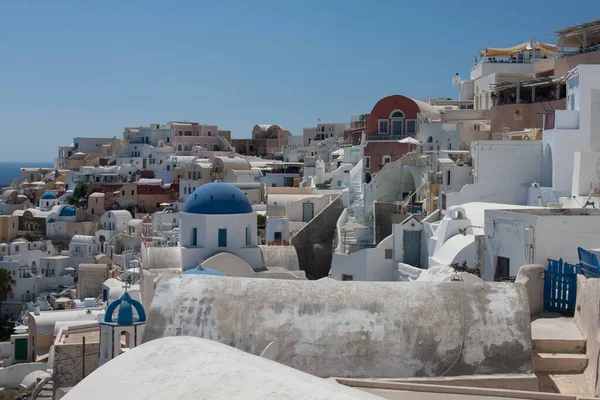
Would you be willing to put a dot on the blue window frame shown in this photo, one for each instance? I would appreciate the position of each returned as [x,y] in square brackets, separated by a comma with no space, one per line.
[223,237]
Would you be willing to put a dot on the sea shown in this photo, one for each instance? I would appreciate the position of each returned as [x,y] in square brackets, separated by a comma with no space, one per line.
[11,170]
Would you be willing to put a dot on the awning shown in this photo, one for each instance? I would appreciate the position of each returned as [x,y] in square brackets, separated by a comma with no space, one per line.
[572,36]
[545,49]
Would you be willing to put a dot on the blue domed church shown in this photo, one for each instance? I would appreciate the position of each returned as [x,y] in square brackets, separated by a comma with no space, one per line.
[218,218]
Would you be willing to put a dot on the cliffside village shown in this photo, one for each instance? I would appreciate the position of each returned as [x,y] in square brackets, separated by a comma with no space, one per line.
[426,247]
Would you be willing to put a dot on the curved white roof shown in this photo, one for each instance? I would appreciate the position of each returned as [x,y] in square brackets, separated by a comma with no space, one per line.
[82,239]
[184,367]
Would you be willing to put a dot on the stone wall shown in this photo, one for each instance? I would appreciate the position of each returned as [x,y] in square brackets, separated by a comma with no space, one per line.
[314,241]
[385,216]
[348,329]
[587,318]
[68,369]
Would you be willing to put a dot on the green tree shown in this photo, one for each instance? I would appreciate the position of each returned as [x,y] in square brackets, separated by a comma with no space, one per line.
[80,192]
[6,284]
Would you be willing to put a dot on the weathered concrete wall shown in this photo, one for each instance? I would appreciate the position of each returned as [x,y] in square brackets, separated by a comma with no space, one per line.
[354,329]
[385,217]
[532,277]
[587,318]
[68,363]
[314,236]
[11,377]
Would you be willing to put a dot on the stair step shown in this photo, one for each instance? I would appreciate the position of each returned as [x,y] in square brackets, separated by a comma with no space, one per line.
[559,363]
[557,335]
[559,346]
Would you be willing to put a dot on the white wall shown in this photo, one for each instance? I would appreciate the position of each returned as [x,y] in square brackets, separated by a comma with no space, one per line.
[503,172]
[294,210]
[555,236]
[11,377]
[365,264]
[208,238]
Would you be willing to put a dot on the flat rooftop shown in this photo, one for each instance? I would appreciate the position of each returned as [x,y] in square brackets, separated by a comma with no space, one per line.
[554,211]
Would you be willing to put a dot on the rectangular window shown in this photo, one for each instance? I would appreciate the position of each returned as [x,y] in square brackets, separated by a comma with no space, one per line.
[411,126]
[194,237]
[448,178]
[223,237]
[339,183]
[383,126]
[346,277]
[248,236]
[367,162]
[389,254]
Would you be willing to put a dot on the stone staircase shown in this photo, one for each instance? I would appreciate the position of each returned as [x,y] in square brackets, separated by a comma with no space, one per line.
[559,358]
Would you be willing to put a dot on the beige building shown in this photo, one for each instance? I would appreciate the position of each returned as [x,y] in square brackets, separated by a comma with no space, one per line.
[96,204]
[91,277]
[9,227]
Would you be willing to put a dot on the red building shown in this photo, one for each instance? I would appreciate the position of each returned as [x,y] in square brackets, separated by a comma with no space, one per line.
[392,119]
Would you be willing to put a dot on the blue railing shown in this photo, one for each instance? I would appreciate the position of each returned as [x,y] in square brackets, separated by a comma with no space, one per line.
[588,263]
[560,286]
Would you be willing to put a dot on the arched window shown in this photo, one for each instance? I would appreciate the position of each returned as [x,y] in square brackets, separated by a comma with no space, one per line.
[179,147]
[386,159]
[430,139]
[397,122]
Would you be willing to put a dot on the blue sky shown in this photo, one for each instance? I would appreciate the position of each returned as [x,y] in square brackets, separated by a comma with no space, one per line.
[90,68]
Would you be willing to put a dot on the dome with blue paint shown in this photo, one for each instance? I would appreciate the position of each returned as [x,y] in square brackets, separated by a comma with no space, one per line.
[68,211]
[218,198]
[202,271]
[48,196]
[125,315]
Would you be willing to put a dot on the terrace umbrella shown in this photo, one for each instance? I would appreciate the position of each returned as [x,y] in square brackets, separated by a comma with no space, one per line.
[409,141]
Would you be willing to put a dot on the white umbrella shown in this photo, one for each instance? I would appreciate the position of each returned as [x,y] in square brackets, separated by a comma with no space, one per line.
[409,140]
[69,269]
[165,204]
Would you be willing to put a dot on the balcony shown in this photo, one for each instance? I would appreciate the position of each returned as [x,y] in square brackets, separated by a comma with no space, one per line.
[386,137]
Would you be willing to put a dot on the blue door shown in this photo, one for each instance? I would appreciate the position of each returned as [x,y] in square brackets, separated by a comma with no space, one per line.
[560,286]
[223,237]
[411,241]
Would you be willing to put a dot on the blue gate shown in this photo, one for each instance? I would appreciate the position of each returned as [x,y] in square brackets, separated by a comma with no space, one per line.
[589,264]
[560,286]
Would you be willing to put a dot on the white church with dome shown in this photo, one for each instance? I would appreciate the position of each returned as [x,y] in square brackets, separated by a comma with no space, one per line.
[218,218]
[218,232]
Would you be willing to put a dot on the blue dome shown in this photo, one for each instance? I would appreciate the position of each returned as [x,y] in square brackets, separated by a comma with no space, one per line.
[202,271]
[217,198]
[48,196]
[125,316]
[68,211]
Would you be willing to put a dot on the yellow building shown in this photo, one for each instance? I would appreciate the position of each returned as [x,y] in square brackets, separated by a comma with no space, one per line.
[9,226]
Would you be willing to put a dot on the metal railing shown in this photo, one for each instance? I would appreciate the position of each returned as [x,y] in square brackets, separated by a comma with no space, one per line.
[385,136]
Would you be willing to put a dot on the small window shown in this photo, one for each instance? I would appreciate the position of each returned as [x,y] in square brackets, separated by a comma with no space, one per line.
[132,193]
[383,126]
[448,177]
[411,126]
[367,162]
[389,254]
[339,183]
[123,193]
[223,237]
[248,236]
[386,159]
[430,139]
[346,277]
